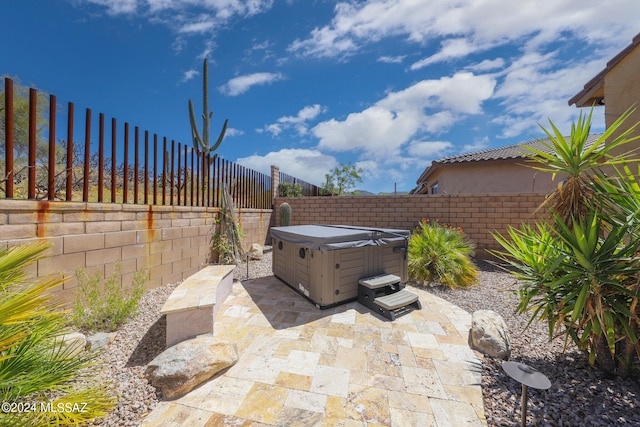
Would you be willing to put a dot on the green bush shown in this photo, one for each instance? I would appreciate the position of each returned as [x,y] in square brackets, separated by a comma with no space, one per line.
[443,254]
[289,189]
[105,310]
[35,368]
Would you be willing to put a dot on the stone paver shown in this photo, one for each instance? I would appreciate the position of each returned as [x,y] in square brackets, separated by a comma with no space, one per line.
[344,366]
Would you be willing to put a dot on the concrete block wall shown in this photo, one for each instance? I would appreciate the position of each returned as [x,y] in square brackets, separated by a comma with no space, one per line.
[171,242]
[478,214]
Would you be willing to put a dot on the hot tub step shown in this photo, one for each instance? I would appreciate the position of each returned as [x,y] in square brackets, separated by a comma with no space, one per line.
[396,300]
[384,294]
[380,281]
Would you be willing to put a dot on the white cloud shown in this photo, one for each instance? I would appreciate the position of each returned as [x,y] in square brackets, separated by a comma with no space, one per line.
[189,74]
[231,132]
[188,17]
[241,84]
[222,9]
[274,129]
[392,59]
[309,165]
[528,92]
[297,122]
[451,49]
[209,45]
[118,7]
[477,145]
[307,113]
[535,88]
[429,149]
[487,65]
[204,25]
[427,106]
[468,25]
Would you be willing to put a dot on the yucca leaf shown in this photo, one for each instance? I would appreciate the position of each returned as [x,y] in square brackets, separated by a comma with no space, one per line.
[579,304]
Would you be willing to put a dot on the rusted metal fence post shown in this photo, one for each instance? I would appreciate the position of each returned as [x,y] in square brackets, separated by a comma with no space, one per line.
[9,137]
[51,173]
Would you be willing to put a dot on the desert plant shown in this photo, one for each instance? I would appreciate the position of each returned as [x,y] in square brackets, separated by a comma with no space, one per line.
[578,163]
[580,266]
[285,214]
[441,253]
[35,368]
[106,309]
[580,279]
[202,143]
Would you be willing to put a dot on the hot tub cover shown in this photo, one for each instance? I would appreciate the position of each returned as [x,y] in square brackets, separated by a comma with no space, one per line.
[334,237]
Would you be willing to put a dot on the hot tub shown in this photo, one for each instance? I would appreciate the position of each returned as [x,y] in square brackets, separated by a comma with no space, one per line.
[325,262]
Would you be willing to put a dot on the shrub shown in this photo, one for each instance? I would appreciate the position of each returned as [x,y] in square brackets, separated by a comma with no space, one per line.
[97,310]
[581,268]
[441,253]
[35,368]
[289,189]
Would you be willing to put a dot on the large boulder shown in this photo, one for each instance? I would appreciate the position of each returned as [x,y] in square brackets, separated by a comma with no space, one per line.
[180,368]
[489,334]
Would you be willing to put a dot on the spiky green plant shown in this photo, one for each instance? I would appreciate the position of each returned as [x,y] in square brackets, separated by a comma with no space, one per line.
[580,266]
[201,143]
[582,281]
[577,163]
[35,367]
[441,253]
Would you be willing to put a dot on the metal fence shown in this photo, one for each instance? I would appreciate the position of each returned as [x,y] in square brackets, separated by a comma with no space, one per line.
[307,188]
[134,167]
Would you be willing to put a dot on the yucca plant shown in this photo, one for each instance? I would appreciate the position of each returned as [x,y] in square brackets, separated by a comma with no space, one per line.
[578,163]
[583,282]
[441,253]
[35,367]
[580,266]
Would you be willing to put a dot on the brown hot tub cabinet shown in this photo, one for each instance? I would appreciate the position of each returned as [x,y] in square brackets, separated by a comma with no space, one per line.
[325,262]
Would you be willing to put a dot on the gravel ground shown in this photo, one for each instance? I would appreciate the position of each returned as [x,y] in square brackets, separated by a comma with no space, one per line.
[579,395]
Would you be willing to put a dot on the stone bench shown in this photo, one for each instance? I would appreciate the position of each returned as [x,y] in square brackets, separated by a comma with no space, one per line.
[192,306]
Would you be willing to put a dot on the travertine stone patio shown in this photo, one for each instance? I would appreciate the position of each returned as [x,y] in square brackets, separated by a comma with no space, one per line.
[345,366]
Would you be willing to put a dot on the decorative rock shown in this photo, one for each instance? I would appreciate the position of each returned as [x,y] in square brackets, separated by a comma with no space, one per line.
[256,251]
[489,334]
[99,340]
[73,343]
[180,368]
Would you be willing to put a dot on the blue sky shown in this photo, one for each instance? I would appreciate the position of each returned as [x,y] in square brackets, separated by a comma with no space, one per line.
[389,85]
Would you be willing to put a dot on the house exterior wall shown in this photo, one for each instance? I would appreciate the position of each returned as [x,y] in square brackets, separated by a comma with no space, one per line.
[478,214]
[172,242]
[497,177]
[622,90]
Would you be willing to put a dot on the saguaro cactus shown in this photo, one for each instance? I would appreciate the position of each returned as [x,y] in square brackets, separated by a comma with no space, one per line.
[202,143]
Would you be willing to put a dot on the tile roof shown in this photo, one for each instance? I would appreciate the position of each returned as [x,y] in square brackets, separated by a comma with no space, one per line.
[516,151]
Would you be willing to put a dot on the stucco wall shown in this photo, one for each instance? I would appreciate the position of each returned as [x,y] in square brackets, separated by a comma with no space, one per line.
[173,242]
[496,177]
[622,90]
[478,214]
